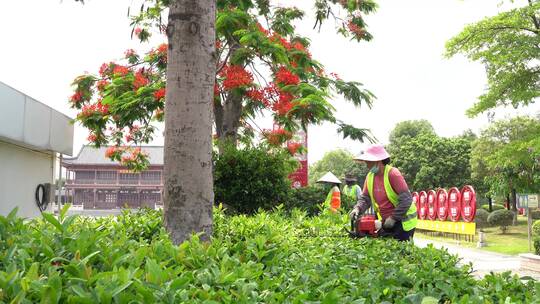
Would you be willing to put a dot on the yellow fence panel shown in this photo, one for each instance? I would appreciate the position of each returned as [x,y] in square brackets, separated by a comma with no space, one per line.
[451,227]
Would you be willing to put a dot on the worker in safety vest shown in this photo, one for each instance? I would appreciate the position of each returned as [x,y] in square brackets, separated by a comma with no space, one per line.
[351,188]
[387,190]
[333,199]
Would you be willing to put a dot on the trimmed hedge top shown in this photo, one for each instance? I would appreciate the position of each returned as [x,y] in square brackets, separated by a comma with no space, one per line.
[265,258]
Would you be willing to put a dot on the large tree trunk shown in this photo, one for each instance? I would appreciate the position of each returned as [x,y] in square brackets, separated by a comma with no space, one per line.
[188,186]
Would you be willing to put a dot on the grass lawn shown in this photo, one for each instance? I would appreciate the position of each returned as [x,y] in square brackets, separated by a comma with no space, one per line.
[513,242]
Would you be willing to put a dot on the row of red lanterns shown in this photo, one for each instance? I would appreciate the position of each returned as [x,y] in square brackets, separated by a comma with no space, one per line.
[443,205]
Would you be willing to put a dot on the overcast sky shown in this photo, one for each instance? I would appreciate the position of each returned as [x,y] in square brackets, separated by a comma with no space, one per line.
[46,43]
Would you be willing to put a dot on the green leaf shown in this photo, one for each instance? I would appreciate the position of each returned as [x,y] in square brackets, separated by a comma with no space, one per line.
[121,288]
[52,220]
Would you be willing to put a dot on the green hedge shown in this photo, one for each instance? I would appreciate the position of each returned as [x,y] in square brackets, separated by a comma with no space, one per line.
[309,199]
[252,178]
[265,258]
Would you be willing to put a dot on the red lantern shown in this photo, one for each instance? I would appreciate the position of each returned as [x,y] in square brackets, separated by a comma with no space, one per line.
[442,203]
[468,203]
[423,204]
[416,202]
[454,204]
[431,205]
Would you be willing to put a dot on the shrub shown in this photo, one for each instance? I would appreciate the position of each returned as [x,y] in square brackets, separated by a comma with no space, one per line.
[347,202]
[252,178]
[535,214]
[501,218]
[536,228]
[308,199]
[494,207]
[481,219]
[265,258]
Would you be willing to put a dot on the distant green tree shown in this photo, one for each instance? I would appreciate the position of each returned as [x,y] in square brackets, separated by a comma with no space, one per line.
[428,161]
[508,45]
[507,157]
[339,162]
[410,129]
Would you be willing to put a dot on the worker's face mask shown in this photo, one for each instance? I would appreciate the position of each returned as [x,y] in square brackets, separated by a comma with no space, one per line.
[374,169]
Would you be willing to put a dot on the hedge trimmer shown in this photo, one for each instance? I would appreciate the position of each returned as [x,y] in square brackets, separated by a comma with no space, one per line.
[361,227]
[367,226]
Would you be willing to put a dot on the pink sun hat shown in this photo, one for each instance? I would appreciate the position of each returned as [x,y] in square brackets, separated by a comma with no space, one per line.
[373,153]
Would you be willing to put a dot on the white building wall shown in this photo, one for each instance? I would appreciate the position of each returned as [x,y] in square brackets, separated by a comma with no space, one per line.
[21,170]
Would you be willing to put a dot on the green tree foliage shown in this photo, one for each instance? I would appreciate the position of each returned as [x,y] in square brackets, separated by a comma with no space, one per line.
[339,162]
[506,157]
[428,161]
[507,44]
[410,129]
[252,178]
[263,67]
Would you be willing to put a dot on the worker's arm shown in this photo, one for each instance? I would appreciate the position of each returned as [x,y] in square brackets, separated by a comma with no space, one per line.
[363,201]
[404,195]
[404,203]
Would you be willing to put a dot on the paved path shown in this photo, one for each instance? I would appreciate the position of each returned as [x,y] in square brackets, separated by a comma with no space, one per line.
[483,261]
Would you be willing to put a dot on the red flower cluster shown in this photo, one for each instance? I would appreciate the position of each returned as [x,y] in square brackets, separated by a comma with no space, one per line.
[159,94]
[293,147]
[89,110]
[273,97]
[134,155]
[284,104]
[257,95]
[76,98]
[235,76]
[114,152]
[335,75]
[92,137]
[277,38]
[104,68]
[286,77]
[138,32]
[162,49]
[355,29]
[140,80]
[102,84]
[262,29]
[132,132]
[160,53]
[120,70]
[130,53]
[277,137]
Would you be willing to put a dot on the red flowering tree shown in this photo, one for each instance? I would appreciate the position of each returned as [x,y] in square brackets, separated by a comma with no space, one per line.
[261,69]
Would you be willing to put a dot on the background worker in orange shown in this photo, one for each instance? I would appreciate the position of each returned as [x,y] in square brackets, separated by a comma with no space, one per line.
[333,199]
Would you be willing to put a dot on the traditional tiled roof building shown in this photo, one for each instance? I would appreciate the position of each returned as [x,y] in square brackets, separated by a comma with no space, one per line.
[96,182]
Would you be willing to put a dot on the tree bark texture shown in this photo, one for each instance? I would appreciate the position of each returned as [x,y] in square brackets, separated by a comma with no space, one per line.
[188,189]
[227,119]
